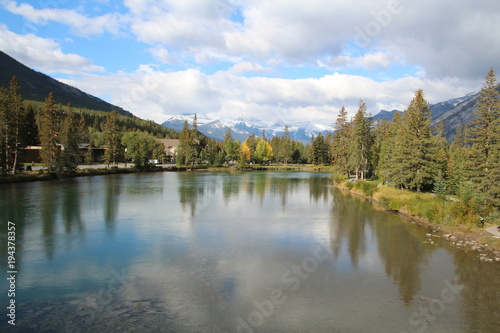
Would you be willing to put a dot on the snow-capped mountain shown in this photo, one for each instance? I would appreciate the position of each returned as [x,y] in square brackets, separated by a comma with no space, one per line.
[242,128]
[453,112]
[439,108]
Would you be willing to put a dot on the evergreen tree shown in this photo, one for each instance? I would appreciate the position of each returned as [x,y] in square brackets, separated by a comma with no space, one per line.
[112,137]
[49,135]
[17,112]
[89,157]
[277,142]
[4,131]
[380,132]
[319,151]
[484,135]
[31,134]
[388,168]
[416,139]
[232,148]
[70,140]
[198,141]
[443,182]
[341,143]
[493,174]
[251,142]
[286,145]
[361,143]
[458,161]
[186,154]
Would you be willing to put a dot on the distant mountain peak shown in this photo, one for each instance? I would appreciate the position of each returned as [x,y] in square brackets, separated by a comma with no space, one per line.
[241,128]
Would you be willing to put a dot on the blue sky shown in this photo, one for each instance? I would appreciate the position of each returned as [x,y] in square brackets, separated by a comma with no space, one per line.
[288,59]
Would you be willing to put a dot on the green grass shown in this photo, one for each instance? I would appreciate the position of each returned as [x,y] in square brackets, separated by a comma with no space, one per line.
[436,209]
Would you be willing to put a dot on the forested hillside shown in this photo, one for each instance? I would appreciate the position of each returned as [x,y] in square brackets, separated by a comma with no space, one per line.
[36,86]
[60,130]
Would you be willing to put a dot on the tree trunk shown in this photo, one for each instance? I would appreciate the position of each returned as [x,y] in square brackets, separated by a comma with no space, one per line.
[15,161]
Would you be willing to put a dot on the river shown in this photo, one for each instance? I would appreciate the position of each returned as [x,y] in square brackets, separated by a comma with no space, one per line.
[230,252]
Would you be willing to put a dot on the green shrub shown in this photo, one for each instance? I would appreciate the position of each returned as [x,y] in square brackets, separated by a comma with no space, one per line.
[368,188]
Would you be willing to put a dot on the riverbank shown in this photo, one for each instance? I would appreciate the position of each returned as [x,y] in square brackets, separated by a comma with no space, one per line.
[450,220]
[40,175]
[95,170]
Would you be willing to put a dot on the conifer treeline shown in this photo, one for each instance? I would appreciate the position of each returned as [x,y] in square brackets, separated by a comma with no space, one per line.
[406,152]
[54,127]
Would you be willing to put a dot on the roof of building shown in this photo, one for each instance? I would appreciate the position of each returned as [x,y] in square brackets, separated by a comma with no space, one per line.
[173,143]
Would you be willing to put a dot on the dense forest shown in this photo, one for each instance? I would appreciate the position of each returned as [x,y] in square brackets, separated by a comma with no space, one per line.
[405,153]
[61,129]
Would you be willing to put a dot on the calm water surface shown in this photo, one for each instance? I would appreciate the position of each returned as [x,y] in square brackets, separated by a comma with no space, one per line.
[231,252]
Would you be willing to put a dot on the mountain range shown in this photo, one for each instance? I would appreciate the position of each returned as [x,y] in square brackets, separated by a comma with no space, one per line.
[36,86]
[453,112]
[242,128]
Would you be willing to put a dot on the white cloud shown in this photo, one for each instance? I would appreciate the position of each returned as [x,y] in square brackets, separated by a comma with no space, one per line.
[80,24]
[43,54]
[249,67]
[162,54]
[381,60]
[158,95]
[304,32]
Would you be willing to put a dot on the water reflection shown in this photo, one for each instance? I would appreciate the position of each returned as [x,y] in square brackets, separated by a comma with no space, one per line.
[250,233]
[70,206]
[480,299]
[49,205]
[112,190]
[14,208]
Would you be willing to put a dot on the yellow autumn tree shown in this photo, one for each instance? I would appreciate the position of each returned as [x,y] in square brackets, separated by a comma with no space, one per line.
[263,151]
[245,152]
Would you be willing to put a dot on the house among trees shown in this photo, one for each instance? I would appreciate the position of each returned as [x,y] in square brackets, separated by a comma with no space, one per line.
[170,146]
[32,153]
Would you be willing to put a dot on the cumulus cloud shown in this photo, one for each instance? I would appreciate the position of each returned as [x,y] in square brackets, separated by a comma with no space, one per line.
[43,54]
[380,60]
[157,95]
[452,44]
[445,38]
[80,24]
[249,67]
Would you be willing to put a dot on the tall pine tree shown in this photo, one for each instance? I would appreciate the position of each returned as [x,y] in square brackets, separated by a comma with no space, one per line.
[49,135]
[340,144]
[16,111]
[484,136]
[70,140]
[417,143]
[361,143]
[112,139]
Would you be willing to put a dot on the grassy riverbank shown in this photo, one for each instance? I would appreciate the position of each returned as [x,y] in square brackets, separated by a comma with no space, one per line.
[30,176]
[452,216]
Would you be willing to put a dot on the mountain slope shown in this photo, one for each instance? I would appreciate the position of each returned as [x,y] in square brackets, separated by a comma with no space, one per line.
[37,86]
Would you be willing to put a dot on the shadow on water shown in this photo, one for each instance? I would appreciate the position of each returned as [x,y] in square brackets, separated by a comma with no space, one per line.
[15,207]
[49,206]
[71,209]
[480,297]
[112,191]
[399,243]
